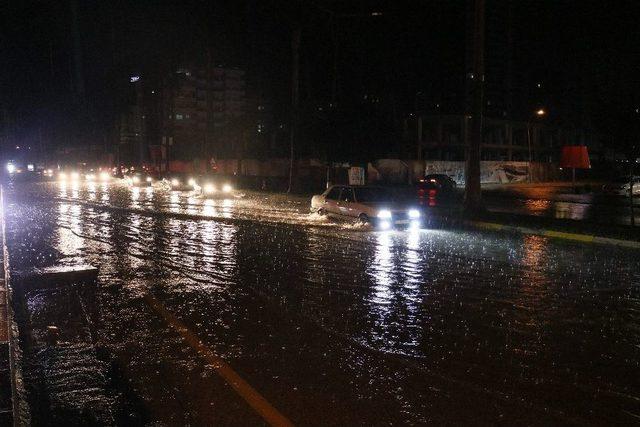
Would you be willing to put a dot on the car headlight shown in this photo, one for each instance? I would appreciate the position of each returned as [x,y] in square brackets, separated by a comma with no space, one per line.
[89,177]
[384,214]
[226,188]
[62,176]
[175,182]
[104,176]
[135,179]
[414,213]
[385,225]
[192,182]
[149,179]
[75,176]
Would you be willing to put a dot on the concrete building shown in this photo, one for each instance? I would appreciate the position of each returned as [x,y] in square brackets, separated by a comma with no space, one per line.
[204,113]
[443,137]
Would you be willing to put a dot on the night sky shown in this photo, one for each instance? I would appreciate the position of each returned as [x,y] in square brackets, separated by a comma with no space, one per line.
[585,55]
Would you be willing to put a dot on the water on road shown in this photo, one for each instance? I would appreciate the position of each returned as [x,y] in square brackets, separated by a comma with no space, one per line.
[330,324]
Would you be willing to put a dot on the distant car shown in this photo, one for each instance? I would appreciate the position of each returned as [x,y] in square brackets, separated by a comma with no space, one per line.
[179,182]
[367,204]
[441,182]
[434,187]
[620,186]
[139,179]
[214,186]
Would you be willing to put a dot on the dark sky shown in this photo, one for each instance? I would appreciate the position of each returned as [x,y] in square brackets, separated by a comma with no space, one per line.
[586,55]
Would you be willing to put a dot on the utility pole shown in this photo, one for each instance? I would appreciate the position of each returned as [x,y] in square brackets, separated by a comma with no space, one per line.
[207,150]
[334,71]
[473,192]
[77,52]
[295,98]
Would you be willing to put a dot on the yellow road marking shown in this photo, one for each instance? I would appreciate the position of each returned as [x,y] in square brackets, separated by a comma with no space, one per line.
[569,236]
[259,404]
[488,225]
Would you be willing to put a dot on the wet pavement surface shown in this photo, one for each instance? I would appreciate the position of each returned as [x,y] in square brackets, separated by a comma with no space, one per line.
[558,201]
[330,323]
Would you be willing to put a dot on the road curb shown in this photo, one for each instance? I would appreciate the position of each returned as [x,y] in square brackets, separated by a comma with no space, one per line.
[20,410]
[576,237]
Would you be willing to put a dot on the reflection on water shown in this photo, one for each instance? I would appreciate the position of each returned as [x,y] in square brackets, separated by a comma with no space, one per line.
[174,199]
[192,205]
[218,244]
[570,210]
[541,206]
[226,208]
[91,191]
[69,242]
[398,281]
[209,208]
[534,250]
[381,269]
[135,197]
[63,190]
[412,269]
[75,190]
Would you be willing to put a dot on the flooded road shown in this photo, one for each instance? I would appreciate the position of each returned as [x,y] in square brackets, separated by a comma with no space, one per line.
[558,201]
[329,324]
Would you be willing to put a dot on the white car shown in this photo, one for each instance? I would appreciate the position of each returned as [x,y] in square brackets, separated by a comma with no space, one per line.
[621,186]
[368,204]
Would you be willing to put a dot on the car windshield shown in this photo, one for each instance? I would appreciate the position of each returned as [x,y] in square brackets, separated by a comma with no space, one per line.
[372,195]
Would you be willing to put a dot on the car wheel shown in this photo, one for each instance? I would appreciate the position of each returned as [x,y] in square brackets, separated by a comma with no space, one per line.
[363,219]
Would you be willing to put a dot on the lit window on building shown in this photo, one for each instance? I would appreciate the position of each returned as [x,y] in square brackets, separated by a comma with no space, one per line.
[179,117]
[260,128]
[260,107]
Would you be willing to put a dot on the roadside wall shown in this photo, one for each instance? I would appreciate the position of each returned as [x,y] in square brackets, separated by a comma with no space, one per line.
[398,171]
[311,174]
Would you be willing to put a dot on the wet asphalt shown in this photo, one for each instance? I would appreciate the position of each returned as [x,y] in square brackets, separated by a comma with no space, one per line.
[561,202]
[331,323]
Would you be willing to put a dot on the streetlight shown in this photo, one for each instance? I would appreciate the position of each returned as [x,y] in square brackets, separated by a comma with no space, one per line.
[539,113]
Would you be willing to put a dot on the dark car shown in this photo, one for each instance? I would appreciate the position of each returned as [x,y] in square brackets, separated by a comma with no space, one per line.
[214,185]
[139,179]
[438,181]
[179,181]
[434,187]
